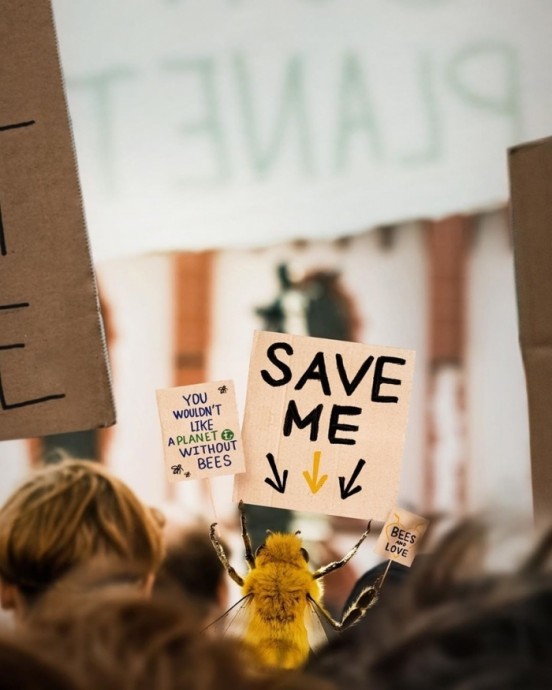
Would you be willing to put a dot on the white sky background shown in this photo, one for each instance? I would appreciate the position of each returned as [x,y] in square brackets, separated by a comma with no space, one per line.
[213,123]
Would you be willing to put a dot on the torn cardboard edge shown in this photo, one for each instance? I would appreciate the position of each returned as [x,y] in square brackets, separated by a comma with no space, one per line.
[530,173]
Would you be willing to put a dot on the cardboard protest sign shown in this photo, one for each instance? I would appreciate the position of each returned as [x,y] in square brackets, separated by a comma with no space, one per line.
[531,208]
[324,425]
[53,366]
[200,429]
[401,536]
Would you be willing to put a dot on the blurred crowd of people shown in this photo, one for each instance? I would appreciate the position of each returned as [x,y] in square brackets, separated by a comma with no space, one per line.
[103,594]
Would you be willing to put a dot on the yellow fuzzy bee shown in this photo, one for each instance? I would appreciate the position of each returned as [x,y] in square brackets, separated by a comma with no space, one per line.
[281,601]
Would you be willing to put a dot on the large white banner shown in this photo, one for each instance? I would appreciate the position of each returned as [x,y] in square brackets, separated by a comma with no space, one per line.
[202,123]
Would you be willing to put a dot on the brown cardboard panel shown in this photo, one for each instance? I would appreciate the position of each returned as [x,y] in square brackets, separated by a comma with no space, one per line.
[201,431]
[53,367]
[538,374]
[401,536]
[531,213]
[320,433]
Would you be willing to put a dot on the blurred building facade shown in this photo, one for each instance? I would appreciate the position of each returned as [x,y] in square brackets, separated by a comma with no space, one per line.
[444,289]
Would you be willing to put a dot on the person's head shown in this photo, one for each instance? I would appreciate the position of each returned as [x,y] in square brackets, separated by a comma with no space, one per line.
[117,639]
[452,625]
[64,516]
[192,565]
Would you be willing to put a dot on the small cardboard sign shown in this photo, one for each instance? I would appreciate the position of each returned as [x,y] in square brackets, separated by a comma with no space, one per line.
[324,425]
[54,375]
[530,168]
[201,431]
[401,536]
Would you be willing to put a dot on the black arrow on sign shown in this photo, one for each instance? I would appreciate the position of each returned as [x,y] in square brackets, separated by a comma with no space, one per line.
[347,491]
[279,484]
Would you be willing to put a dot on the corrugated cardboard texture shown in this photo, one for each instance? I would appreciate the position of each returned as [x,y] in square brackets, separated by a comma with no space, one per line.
[201,431]
[531,207]
[401,536]
[311,468]
[53,366]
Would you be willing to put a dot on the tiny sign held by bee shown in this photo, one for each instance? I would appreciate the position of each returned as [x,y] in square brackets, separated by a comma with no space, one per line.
[281,614]
[401,536]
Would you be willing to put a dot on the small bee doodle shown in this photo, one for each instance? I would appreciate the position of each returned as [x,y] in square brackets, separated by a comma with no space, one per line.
[223,389]
[178,469]
[280,612]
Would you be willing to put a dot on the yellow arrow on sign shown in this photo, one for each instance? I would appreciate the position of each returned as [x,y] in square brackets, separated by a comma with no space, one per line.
[314,483]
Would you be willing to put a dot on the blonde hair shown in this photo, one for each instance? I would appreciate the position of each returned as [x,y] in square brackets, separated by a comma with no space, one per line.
[67,514]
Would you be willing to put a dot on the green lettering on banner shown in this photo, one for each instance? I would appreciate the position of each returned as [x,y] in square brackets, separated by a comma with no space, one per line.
[434,140]
[422,3]
[508,103]
[210,125]
[101,86]
[355,113]
[291,116]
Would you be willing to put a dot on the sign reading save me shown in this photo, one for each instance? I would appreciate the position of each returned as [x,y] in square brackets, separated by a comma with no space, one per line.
[324,425]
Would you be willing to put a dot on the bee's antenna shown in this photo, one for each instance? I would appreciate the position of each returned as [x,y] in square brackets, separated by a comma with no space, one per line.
[298,532]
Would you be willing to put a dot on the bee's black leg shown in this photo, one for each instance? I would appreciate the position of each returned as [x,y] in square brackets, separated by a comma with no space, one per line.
[365,600]
[324,570]
[246,538]
[238,579]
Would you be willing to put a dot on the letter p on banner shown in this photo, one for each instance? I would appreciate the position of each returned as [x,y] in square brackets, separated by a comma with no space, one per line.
[401,536]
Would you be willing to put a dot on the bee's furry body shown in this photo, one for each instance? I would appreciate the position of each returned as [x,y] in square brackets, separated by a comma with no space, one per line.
[281,594]
[280,584]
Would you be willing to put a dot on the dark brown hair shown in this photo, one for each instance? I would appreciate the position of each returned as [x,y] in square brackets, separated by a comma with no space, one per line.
[21,668]
[119,641]
[192,564]
[452,625]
